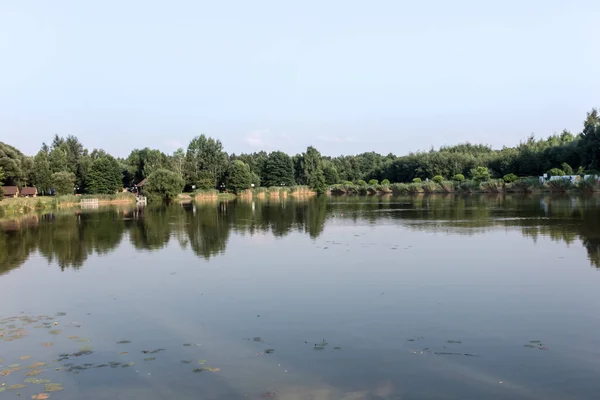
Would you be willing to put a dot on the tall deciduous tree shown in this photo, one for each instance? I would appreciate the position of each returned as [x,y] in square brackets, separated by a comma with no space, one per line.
[206,162]
[104,176]
[238,177]
[11,161]
[58,159]
[313,170]
[278,170]
[163,185]
[63,182]
[41,172]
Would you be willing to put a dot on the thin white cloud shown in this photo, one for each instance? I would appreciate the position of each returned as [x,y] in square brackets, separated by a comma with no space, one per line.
[257,139]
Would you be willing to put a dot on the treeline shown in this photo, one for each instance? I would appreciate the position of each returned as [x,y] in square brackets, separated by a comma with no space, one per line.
[66,165]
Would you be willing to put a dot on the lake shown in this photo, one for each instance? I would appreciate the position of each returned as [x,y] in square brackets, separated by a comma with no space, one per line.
[439,297]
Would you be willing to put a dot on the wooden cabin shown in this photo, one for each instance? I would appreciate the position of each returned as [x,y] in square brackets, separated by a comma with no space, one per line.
[29,192]
[10,191]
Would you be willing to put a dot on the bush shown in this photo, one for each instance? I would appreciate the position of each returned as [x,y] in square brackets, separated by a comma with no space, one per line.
[560,185]
[361,183]
[163,185]
[567,168]
[430,187]
[526,185]
[399,188]
[373,182]
[480,174]
[438,179]
[417,180]
[414,187]
[447,186]
[589,184]
[458,177]
[385,182]
[469,186]
[510,178]
[556,172]
[493,186]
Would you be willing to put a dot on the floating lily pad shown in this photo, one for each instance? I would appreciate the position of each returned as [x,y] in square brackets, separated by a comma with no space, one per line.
[37,381]
[123,353]
[201,361]
[86,348]
[73,337]
[36,365]
[123,341]
[318,348]
[34,372]
[257,339]
[454,341]
[337,348]
[269,351]
[61,314]
[53,387]
[149,358]
[14,365]
[41,396]
[186,361]
[529,346]
[47,344]
[55,332]
[24,357]
[81,340]
[130,364]
[16,386]
[535,341]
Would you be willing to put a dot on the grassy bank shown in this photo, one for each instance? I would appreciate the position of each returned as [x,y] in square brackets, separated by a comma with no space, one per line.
[23,205]
[275,192]
[528,185]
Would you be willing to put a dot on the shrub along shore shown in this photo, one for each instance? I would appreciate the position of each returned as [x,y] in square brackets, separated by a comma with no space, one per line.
[23,205]
[526,185]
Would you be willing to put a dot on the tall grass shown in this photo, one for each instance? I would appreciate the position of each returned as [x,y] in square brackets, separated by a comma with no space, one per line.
[430,187]
[469,187]
[560,185]
[526,185]
[493,186]
[588,185]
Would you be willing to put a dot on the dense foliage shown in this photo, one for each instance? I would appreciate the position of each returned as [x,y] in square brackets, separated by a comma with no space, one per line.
[204,164]
[164,185]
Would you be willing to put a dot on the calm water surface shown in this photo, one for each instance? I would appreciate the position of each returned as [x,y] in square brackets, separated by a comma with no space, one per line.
[343,298]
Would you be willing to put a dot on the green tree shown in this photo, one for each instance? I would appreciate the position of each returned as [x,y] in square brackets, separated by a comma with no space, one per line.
[104,176]
[63,182]
[416,180]
[58,159]
[278,170]
[373,182]
[438,179]
[510,178]
[2,176]
[458,177]
[313,170]
[385,182]
[331,174]
[480,174]
[11,161]
[42,175]
[177,161]
[556,172]
[163,185]
[567,168]
[239,177]
[206,162]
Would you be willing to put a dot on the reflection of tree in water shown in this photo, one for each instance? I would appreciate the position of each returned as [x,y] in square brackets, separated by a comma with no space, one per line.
[208,227]
[68,239]
[149,229]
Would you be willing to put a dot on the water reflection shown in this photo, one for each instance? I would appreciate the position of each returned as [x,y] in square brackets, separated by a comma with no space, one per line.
[69,238]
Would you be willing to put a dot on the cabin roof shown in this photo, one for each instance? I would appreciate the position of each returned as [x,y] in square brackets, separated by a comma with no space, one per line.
[28,191]
[142,182]
[10,190]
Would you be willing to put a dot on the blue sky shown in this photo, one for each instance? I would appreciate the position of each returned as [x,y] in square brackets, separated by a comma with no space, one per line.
[345,76]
